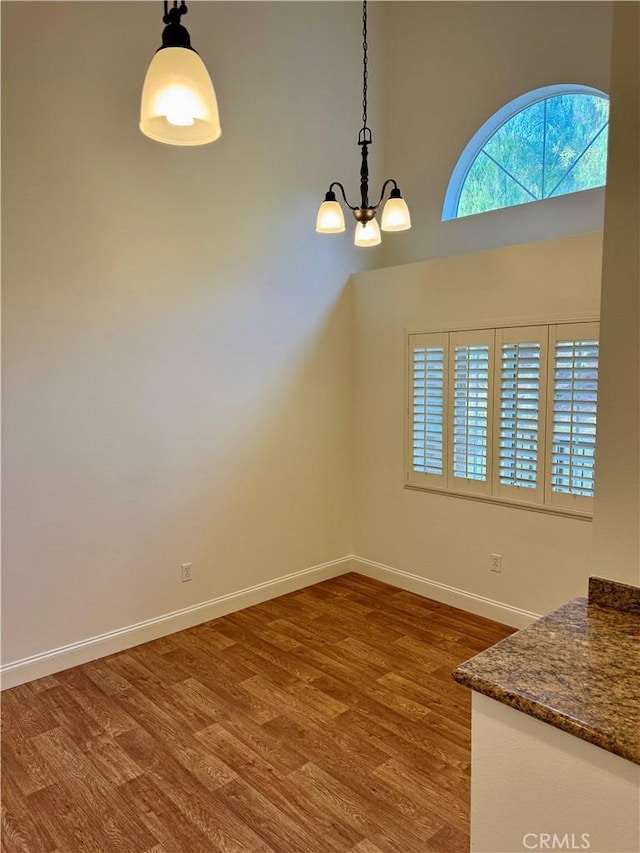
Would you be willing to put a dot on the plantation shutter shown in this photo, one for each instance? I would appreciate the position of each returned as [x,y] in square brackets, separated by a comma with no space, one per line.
[571,423]
[470,376]
[427,463]
[521,369]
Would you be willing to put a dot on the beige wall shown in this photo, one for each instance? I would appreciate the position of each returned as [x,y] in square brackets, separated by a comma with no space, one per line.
[449,67]
[617,508]
[177,341]
[546,559]
[570,787]
[176,336]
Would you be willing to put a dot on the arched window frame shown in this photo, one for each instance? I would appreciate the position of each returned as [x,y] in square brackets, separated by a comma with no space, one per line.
[494,123]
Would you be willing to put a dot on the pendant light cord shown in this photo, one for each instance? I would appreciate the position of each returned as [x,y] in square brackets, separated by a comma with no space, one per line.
[364,137]
[365,61]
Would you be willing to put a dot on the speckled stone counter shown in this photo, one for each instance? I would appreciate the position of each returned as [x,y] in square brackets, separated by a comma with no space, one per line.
[577,669]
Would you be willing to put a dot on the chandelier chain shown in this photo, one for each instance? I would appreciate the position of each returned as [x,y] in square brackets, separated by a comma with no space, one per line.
[365,61]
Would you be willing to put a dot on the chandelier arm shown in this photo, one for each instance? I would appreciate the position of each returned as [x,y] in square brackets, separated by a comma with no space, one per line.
[344,197]
[384,189]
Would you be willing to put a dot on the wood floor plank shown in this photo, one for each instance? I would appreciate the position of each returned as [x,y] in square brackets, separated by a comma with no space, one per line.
[24,714]
[324,721]
[349,768]
[339,800]
[95,704]
[294,625]
[258,742]
[270,780]
[110,818]
[166,822]
[365,847]
[202,805]
[22,764]
[421,786]
[273,826]
[70,826]
[325,744]
[210,770]
[18,830]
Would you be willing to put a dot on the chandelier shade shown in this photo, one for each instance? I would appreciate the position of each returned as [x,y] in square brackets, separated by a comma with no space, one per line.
[395,215]
[179,104]
[367,233]
[330,216]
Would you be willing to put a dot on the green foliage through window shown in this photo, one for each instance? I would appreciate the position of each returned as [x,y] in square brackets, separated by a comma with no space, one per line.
[553,146]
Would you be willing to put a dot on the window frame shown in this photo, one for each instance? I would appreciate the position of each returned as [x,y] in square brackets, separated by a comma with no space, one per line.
[494,492]
[480,138]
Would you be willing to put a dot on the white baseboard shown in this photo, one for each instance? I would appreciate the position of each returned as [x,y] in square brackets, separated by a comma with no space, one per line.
[478,604]
[55,660]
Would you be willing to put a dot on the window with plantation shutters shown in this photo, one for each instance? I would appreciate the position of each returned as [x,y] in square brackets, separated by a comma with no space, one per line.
[572,419]
[471,366]
[427,406]
[506,414]
[520,412]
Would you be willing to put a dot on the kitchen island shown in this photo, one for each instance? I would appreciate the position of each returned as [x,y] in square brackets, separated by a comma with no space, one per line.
[556,730]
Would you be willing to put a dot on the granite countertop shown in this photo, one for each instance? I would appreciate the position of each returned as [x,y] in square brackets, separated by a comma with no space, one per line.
[577,669]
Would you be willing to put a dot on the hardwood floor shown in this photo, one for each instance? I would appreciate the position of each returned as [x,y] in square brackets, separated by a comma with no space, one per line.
[324,721]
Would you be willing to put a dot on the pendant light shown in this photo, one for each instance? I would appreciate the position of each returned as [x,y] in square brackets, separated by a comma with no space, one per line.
[179,105]
[395,215]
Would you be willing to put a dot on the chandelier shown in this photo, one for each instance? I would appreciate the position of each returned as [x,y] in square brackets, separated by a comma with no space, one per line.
[395,214]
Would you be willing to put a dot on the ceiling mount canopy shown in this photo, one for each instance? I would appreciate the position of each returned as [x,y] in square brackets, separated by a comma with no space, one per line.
[179,105]
[395,215]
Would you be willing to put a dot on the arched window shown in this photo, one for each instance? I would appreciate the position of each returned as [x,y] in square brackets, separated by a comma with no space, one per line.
[545,143]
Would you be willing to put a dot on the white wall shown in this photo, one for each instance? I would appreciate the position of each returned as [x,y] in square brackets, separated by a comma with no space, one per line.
[177,340]
[617,507]
[546,559]
[449,67]
[176,336]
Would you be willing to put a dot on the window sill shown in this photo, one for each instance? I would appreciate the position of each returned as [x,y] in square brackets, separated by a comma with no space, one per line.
[547,510]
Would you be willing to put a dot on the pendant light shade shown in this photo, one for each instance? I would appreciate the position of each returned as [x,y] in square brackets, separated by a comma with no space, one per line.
[330,216]
[367,233]
[179,105]
[395,215]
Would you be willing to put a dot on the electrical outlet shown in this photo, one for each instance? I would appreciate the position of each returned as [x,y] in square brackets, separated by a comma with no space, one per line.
[496,562]
[186,572]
